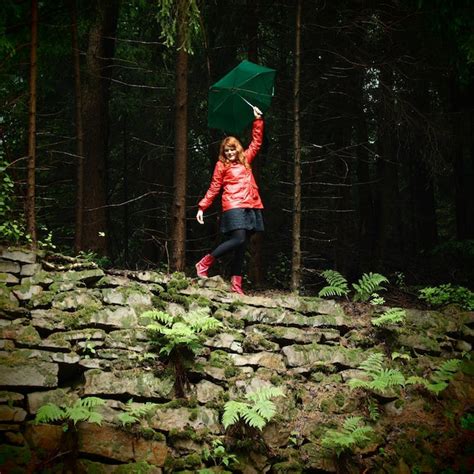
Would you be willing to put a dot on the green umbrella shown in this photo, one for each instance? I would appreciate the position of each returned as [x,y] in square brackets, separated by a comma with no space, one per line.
[232,97]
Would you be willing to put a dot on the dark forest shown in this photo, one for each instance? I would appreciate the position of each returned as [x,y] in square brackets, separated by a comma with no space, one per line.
[105,148]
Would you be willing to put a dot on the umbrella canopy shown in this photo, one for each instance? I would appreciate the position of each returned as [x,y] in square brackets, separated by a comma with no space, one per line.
[231,97]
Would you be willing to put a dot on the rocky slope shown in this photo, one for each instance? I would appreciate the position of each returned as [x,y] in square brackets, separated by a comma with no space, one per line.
[69,330]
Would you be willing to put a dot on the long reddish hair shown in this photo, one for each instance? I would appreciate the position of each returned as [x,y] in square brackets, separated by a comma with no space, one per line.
[233,143]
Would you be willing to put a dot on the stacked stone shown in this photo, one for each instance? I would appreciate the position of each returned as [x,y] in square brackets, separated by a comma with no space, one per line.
[78,333]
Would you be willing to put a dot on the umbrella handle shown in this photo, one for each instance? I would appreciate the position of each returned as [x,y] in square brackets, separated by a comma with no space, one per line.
[254,107]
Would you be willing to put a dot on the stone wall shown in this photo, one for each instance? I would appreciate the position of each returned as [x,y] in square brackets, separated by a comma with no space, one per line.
[69,330]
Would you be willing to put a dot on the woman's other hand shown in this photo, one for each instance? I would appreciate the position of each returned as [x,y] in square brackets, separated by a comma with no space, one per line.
[200,216]
[257,112]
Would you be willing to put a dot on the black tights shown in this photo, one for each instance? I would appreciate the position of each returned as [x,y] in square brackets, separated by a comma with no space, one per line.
[238,243]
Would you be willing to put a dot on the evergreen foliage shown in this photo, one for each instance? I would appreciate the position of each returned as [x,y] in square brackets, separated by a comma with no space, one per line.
[380,378]
[353,433]
[391,316]
[448,294]
[440,378]
[181,332]
[367,285]
[337,284]
[134,413]
[256,412]
[82,410]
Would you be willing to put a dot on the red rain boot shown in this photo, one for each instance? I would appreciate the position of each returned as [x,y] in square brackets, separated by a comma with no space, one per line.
[202,267]
[236,284]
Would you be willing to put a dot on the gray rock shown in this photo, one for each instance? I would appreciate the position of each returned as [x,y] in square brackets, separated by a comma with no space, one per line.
[128,296]
[181,418]
[6,266]
[130,382]
[86,276]
[77,299]
[315,355]
[29,269]
[60,397]
[28,373]
[70,358]
[116,317]
[12,414]
[23,256]
[11,398]
[26,292]
[151,277]
[207,391]
[226,341]
[8,278]
[261,359]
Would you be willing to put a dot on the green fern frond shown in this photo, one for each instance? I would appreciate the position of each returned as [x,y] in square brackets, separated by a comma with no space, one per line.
[350,435]
[265,408]
[232,412]
[391,316]
[374,412]
[265,393]
[337,284]
[368,284]
[373,364]
[253,419]
[90,402]
[380,378]
[127,419]
[159,316]
[96,418]
[49,412]
[446,371]
[440,378]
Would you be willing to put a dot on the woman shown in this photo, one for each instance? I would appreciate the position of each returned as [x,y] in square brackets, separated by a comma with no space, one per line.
[241,203]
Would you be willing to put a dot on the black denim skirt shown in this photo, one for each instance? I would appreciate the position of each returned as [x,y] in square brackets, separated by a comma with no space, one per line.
[249,219]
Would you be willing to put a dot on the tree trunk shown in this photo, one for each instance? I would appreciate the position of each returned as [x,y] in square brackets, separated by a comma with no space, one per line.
[30,190]
[296,245]
[178,212]
[79,131]
[96,124]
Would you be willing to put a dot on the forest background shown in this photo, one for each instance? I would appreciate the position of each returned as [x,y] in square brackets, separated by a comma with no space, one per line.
[368,159]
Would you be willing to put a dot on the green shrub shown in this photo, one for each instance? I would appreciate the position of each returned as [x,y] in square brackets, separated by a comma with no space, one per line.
[448,294]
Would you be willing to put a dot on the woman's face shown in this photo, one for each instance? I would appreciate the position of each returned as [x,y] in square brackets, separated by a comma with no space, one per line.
[230,152]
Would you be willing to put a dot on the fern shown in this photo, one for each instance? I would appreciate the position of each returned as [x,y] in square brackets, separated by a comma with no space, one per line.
[374,412]
[391,316]
[179,338]
[367,285]
[183,331]
[352,434]
[48,413]
[256,413]
[132,414]
[380,378]
[81,410]
[440,378]
[337,284]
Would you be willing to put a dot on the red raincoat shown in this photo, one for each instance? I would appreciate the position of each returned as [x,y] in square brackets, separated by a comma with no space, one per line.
[239,187]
